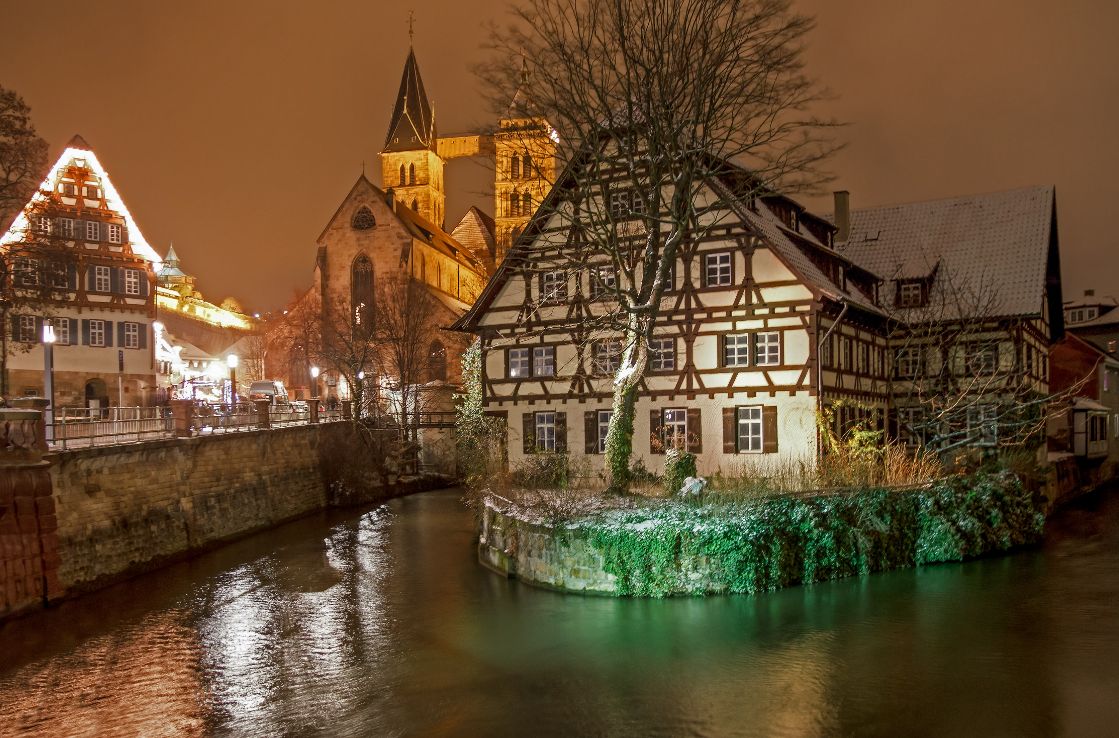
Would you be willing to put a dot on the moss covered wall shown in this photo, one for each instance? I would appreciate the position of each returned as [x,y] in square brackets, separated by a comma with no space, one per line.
[679,548]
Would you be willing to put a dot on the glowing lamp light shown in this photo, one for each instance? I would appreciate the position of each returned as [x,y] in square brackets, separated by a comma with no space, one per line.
[231,361]
[48,333]
[215,370]
[314,372]
[361,375]
[157,327]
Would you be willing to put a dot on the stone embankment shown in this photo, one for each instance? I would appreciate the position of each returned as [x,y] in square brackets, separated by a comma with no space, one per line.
[79,519]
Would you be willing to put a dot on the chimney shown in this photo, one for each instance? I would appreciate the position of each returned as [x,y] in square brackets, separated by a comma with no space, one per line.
[1089,293]
[842,215]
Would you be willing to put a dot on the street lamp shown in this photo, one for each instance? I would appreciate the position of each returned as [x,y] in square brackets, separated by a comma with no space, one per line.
[49,338]
[231,362]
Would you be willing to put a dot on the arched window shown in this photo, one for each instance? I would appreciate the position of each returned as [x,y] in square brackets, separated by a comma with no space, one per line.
[437,362]
[363,219]
[402,180]
[514,203]
[415,205]
[515,167]
[526,166]
[526,204]
[361,294]
[411,174]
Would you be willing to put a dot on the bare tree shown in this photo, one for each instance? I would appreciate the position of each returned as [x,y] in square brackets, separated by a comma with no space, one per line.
[23,156]
[647,101]
[410,349]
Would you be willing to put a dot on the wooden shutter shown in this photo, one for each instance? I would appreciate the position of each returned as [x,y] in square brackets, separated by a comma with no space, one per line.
[656,432]
[561,432]
[74,330]
[38,329]
[721,360]
[590,432]
[730,436]
[144,285]
[528,433]
[695,431]
[120,334]
[116,280]
[769,430]
[15,327]
[85,332]
[72,276]
[143,335]
[90,278]
[108,333]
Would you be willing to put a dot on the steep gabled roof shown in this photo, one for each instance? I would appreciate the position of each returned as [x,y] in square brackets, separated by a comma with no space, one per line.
[77,148]
[476,232]
[997,242]
[413,123]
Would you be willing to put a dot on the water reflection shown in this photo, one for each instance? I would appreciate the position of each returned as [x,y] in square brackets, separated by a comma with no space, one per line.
[383,625]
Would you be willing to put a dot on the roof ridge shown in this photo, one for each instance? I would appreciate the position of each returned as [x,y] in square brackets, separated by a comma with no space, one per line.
[950,198]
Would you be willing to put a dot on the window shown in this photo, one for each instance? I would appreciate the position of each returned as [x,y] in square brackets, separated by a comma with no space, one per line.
[607,357]
[411,174]
[66,227]
[93,192]
[736,350]
[514,203]
[27,329]
[92,230]
[363,220]
[526,166]
[415,205]
[131,282]
[68,189]
[675,428]
[44,225]
[526,204]
[553,286]
[26,271]
[624,202]
[603,281]
[749,427]
[61,330]
[545,431]
[767,349]
[57,275]
[907,363]
[982,425]
[911,429]
[131,335]
[403,179]
[101,280]
[96,333]
[662,354]
[515,167]
[544,361]
[603,428]
[116,233]
[982,358]
[910,294]
[1112,345]
[518,360]
[716,270]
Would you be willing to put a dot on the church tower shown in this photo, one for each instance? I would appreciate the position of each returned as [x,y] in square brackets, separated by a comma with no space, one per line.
[411,167]
[525,159]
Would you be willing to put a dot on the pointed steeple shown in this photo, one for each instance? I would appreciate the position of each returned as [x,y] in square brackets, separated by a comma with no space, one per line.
[77,142]
[172,257]
[412,126]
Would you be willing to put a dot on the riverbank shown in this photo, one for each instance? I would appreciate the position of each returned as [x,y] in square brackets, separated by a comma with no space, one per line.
[676,547]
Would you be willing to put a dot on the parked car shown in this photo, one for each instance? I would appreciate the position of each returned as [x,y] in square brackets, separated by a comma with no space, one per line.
[271,390]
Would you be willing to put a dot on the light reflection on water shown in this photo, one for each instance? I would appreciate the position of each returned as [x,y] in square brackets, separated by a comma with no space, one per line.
[383,625]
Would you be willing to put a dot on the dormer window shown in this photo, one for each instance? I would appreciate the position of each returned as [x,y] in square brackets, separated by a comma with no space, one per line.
[911,293]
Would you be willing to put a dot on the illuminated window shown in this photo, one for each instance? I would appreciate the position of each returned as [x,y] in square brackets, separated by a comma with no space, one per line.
[518,360]
[131,282]
[44,225]
[545,426]
[115,233]
[544,361]
[101,279]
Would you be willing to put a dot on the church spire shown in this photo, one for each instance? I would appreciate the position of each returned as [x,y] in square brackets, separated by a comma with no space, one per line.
[413,123]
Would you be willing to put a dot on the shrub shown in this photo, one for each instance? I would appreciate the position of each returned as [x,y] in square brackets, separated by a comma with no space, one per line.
[678,466]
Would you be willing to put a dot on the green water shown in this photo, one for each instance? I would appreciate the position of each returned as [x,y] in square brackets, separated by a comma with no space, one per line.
[382,624]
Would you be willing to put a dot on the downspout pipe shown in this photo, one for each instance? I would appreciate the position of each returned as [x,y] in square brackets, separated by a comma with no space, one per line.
[820,369]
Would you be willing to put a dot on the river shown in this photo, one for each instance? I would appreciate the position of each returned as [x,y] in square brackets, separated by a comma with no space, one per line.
[383,624]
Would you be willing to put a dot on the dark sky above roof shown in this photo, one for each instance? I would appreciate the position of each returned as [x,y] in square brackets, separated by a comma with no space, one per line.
[235,129]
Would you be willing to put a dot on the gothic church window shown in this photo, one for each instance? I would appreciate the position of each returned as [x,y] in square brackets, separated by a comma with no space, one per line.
[402,180]
[526,166]
[412,174]
[361,293]
[363,219]
[515,167]
[415,205]
[515,203]
[526,204]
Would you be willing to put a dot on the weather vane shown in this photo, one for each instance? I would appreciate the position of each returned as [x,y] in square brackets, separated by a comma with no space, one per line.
[411,25]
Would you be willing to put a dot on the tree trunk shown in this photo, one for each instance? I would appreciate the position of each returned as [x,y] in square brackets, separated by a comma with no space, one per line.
[619,439]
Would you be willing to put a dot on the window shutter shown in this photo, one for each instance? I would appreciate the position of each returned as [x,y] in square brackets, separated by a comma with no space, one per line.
[730,438]
[38,329]
[143,335]
[590,432]
[561,432]
[769,430]
[72,276]
[695,431]
[656,432]
[722,348]
[108,333]
[120,334]
[15,327]
[528,433]
[90,279]
[144,285]
[73,330]
[116,278]
[85,332]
